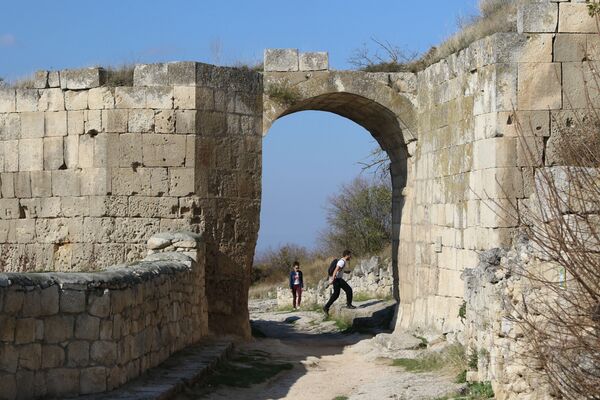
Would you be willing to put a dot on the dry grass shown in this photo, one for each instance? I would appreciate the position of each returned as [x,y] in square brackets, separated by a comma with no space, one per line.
[495,16]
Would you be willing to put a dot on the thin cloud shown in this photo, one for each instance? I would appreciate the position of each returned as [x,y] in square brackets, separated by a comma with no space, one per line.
[7,40]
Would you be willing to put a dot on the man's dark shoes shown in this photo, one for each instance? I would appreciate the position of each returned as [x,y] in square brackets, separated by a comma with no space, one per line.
[326,311]
[350,306]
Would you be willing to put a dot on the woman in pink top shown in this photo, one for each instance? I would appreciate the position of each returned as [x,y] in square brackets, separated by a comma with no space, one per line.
[296,285]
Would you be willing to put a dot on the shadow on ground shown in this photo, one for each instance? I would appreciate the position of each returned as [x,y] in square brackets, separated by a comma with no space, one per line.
[285,347]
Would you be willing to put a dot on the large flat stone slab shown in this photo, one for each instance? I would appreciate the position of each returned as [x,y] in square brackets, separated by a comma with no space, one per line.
[367,316]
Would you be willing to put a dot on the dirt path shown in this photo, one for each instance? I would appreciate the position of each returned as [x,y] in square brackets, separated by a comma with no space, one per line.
[325,363]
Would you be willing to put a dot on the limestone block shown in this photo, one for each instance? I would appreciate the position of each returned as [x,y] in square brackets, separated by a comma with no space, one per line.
[182,73]
[154,181]
[210,123]
[101,98]
[579,87]
[132,230]
[75,122]
[86,151]
[75,206]
[503,183]
[71,151]
[99,304]
[98,230]
[76,100]
[141,121]
[164,121]
[130,149]
[125,181]
[11,155]
[130,97]
[27,100]
[185,121]
[49,301]
[10,126]
[102,206]
[92,121]
[13,302]
[53,153]
[8,186]
[248,104]
[56,123]
[51,100]
[530,151]
[22,182]
[495,152]
[87,327]
[190,152]
[537,17]
[8,100]
[41,184]
[115,120]
[25,230]
[85,78]
[163,150]
[574,17]
[570,47]
[58,328]
[498,213]
[181,181]
[281,60]
[539,86]
[150,74]
[62,382]
[53,79]
[78,353]
[49,207]
[161,207]
[314,61]
[31,154]
[65,183]
[32,125]
[25,331]
[159,97]
[184,97]
[233,124]
[40,79]
[30,356]
[52,356]
[95,182]
[104,352]
[93,380]
[72,301]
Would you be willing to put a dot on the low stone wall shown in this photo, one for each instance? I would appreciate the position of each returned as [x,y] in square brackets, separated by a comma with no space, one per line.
[370,277]
[65,334]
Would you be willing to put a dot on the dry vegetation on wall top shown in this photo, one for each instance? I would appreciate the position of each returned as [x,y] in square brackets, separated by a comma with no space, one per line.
[495,16]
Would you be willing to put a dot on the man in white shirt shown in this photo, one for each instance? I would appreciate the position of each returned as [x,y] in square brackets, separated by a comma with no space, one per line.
[336,279]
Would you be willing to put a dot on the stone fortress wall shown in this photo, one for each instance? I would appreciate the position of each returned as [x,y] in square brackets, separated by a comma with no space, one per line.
[88,173]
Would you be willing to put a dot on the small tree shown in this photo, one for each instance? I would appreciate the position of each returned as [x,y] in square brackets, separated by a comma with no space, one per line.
[359,217]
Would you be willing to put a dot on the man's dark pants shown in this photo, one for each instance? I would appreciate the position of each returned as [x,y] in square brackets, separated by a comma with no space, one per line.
[339,283]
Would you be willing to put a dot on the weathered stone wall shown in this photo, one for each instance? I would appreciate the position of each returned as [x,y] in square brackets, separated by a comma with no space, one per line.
[88,172]
[470,170]
[74,333]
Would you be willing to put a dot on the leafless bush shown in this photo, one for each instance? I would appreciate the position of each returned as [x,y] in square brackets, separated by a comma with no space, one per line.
[495,16]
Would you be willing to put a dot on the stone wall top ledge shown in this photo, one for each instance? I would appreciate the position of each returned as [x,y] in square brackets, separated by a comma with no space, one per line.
[115,277]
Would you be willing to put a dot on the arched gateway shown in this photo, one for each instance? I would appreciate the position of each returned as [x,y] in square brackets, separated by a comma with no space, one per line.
[382,103]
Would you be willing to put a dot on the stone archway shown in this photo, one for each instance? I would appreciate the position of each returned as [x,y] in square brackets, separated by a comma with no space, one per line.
[382,103]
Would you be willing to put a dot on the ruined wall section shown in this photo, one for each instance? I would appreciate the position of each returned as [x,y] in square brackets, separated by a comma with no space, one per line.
[64,334]
[89,172]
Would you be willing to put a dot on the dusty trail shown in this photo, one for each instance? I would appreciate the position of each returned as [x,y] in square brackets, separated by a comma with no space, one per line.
[327,364]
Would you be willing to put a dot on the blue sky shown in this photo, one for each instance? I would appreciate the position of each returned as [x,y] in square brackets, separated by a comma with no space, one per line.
[299,172]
